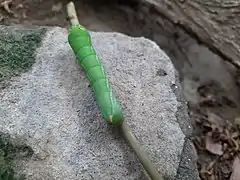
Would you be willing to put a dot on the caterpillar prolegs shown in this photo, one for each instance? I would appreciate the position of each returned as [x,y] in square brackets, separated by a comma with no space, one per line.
[81,44]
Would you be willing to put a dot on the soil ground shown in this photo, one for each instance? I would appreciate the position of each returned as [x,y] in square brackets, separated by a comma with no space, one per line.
[95,16]
[209,88]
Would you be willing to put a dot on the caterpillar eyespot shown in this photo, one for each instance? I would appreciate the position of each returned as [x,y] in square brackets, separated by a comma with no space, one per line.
[80,42]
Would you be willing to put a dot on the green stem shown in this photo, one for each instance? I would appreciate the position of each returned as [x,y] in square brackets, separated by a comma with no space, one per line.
[142,156]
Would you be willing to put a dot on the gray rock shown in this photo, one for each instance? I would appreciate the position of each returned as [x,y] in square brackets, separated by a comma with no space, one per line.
[53,108]
[187,169]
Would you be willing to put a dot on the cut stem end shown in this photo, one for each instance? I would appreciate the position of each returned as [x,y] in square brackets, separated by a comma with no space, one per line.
[72,14]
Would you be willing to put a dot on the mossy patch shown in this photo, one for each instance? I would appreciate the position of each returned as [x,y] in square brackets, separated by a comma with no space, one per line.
[17,55]
[17,50]
[11,152]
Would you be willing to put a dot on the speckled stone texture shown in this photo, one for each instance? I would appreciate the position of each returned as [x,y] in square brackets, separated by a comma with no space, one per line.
[54,109]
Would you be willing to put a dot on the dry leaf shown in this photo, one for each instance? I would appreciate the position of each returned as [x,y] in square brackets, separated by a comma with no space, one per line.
[237,120]
[209,100]
[207,171]
[236,169]
[214,119]
[212,147]
[57,7]
[19,6]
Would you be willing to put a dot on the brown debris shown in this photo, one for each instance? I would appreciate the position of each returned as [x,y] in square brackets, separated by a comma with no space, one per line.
[222,140]
[211,95]
[209,100]
[57,7]
[207,171]
[218,142]
[5,4]
[236,169]
[237,120]
[212,147]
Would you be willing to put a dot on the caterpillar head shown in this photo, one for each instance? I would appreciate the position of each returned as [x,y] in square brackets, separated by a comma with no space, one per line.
[77,37]
[77,28]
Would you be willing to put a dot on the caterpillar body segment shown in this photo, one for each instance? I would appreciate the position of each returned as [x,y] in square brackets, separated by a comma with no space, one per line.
[80,42]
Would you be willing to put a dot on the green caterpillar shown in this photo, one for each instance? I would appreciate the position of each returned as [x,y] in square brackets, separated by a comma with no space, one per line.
[81,44]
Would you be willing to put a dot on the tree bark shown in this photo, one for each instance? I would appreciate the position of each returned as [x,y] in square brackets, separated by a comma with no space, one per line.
[215,23]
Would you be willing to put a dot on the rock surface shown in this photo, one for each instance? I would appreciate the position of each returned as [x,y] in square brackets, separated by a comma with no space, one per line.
[53,108]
